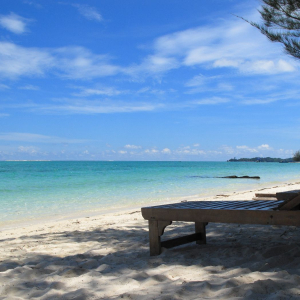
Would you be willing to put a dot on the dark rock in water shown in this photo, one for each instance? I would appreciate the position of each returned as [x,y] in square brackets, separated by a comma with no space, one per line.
[238,177]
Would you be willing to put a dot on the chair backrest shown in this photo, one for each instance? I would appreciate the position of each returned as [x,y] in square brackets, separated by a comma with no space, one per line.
[291,200]
[287,195]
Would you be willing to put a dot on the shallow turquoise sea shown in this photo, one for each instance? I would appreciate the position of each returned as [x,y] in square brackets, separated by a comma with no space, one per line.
[34,190]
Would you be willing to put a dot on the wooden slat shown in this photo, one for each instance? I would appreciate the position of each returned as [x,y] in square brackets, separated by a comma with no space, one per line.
[264,198]
[265,195]
[248,204]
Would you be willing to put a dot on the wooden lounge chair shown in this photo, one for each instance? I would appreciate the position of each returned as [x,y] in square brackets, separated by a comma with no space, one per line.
[264,212]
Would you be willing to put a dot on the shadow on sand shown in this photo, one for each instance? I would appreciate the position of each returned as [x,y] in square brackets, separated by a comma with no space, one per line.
[238,262]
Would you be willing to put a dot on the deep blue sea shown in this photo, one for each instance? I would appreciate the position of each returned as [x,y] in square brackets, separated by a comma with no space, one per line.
[37,190]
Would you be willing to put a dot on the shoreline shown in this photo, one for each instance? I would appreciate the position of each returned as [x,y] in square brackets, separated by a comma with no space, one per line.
[106,256]
[54,193]
[49,220]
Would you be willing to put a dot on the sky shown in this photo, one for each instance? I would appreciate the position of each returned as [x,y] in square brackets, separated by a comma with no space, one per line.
[143,80]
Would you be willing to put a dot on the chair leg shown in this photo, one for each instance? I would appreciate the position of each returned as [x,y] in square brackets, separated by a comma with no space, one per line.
[156,230]
[154,238]
[200,228]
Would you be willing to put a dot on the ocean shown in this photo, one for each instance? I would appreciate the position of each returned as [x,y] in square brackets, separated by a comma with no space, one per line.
[34,190]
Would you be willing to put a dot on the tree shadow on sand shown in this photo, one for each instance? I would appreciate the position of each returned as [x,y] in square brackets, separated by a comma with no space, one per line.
[238,261]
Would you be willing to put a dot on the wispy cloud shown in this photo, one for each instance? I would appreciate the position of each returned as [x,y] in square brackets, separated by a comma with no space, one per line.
[80,63]
[4,87]
[75,106]
[246,149]
[67,62]
[36,138]
[261,150]
[201,83]
[2,115]
[210,101]
[14,23]
[28,149]
[19,61]
[132,146]
[89,12]
[166,151]
[225,45]
[29,87]
[105,91]
[151,151]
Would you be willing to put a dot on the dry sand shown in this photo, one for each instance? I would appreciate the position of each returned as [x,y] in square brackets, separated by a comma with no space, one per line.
[107,257]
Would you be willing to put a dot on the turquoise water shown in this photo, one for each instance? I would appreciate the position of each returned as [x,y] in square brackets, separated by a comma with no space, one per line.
[32,190]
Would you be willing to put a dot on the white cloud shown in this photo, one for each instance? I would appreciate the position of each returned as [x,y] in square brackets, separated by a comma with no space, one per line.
[227,44]
[36,138]
[226,63]
[198,80]
[80,63]
[151,151]
[246,149]
[122,152]
[232,43]
[4,87]
[29,149]
[267,67]
[210,101]
[85,92]
[14,23]
[132,147]
[68,62]
[152,64]
[89,12]
[74,106]
[2,115]
[188,151]
[201,83]
[260,101]
[29,87]
[264,147]
[166,151]
[250,152]
[228,149]
[16,61]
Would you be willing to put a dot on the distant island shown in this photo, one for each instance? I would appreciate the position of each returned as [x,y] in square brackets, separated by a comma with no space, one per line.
[263,159]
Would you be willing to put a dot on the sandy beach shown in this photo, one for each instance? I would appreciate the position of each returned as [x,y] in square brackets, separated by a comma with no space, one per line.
[107,257]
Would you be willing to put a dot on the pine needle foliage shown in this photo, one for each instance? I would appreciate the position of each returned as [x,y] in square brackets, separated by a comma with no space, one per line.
[281,23]
[296,156]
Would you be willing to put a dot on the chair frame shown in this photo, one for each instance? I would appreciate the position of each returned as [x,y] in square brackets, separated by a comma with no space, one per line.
[264,212]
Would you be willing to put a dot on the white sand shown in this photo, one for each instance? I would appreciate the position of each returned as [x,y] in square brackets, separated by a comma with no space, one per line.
[107,257]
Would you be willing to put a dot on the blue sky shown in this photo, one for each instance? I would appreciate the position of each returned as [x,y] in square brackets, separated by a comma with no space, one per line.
[143,80]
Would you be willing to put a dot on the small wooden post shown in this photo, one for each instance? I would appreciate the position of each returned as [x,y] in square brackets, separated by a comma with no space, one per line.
[154,238]
[156,230]
[200,228]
